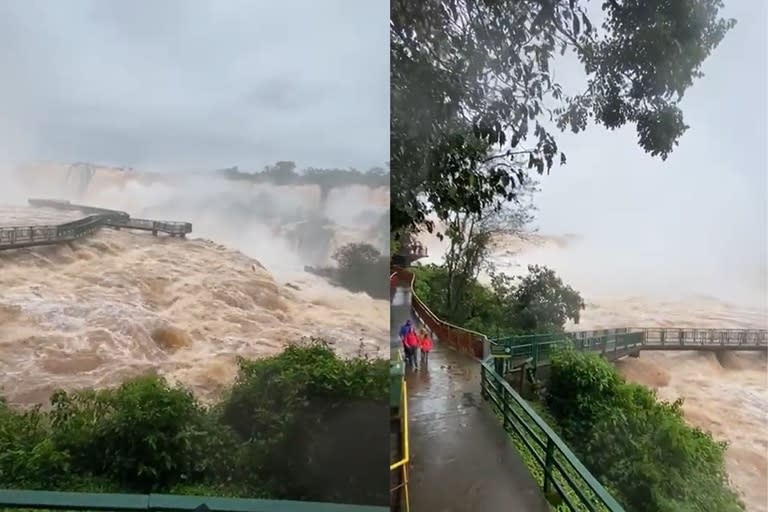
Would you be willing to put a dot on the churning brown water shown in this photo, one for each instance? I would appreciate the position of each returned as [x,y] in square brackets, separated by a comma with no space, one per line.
[726,395]
[120,303]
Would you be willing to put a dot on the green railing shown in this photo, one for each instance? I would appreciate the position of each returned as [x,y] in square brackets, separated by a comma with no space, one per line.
[609,343]
[535,350]
[563,477]
[617,341]
[48,500]
[536,347]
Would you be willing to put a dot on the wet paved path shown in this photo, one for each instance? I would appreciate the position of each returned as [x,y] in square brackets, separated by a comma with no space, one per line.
[461,458]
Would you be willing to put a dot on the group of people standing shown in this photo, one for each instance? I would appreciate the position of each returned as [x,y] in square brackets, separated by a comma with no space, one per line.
[414,342]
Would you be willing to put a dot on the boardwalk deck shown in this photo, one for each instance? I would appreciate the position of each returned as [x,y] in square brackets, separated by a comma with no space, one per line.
[461,460]
[19,237]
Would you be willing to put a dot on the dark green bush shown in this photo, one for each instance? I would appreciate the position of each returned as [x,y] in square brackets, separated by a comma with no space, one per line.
[640,448]
[359,268]
[362,268]
[149,436]
[280,409]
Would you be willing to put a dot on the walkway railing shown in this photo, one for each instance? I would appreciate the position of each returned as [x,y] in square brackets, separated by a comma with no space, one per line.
[617,342]
[728,338]
[400,496]
[462,340]
[539,347]
[562,472]
[17,499]
[16,237]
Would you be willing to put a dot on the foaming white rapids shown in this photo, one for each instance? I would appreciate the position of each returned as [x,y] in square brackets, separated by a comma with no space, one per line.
[122,303]
[726,395]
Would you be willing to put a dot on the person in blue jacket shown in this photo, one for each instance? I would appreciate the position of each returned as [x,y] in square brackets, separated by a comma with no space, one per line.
[407,351]
[405,328]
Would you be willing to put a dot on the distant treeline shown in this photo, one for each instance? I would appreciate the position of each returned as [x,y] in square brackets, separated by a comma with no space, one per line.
[285,173]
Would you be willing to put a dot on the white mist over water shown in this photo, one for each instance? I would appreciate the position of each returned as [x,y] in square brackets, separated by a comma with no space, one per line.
[122,303]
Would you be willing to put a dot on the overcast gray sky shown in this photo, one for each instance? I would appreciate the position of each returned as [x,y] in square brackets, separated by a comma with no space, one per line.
[196,83]
[697,222]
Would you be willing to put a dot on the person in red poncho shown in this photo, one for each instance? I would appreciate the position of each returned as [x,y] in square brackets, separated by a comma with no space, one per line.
[411,344]
[425,344]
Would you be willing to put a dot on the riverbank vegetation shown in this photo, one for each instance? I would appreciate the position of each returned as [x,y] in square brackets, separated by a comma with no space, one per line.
[637,446]
[298,425]
[286,173]
[360,267]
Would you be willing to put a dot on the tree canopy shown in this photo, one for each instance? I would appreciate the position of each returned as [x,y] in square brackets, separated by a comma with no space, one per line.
[285,172]
[475,106]
[535,303]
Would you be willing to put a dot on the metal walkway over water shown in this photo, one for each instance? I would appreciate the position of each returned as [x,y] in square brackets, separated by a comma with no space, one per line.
[469,429]
[17,237]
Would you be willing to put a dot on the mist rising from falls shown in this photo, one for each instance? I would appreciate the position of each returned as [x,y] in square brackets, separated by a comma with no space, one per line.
[122,303]
[284,227]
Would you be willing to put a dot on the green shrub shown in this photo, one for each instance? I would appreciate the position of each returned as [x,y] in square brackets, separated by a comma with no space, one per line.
[279,409]
[640,448]
[148,436]
[26,448]
[145,434]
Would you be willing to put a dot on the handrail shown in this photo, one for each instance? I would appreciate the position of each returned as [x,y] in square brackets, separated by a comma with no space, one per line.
[539,347]
[559,464]
[16,237]
[23,499]
[637,339]
[12,237]
[459,338]
[660,336]
[404,461]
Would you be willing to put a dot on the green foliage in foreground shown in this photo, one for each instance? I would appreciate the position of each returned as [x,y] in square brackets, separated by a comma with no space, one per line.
[638,447]
[266,438]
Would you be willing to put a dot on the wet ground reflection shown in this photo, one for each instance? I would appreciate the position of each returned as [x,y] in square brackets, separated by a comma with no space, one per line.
[461,458]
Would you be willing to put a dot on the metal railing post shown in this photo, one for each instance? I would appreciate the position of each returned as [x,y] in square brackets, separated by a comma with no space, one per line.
[498,365]
[483,382]
[504,408]
[549,461]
